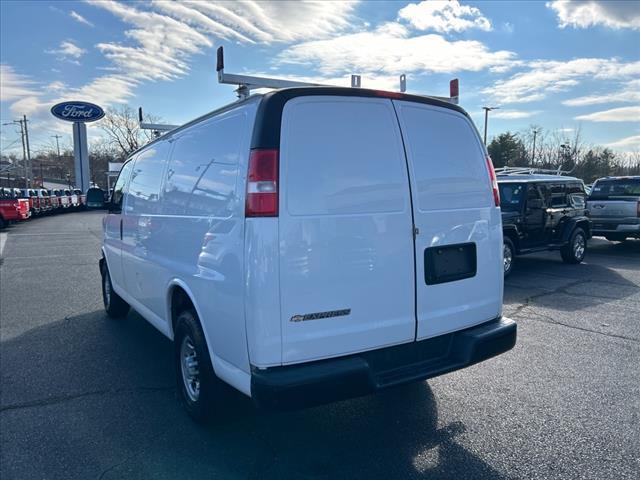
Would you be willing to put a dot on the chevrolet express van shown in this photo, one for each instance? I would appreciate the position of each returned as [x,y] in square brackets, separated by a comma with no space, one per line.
[311,244]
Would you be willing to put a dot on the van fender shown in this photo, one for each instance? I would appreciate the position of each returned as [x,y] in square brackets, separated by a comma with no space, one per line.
[224,370]
[572,223]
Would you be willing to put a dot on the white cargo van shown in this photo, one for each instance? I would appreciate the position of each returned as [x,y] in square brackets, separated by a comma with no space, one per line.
[311,244]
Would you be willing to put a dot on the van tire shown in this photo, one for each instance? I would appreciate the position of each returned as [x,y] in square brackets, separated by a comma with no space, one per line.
[508,249]
[114,305]
[575,251]
[202,395]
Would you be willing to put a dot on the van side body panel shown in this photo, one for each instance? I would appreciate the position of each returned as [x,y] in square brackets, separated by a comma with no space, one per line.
[194,237]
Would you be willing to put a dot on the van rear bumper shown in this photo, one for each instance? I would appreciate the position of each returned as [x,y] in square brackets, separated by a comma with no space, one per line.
[323,381]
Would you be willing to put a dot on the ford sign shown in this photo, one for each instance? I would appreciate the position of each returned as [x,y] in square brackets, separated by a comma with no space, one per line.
[77,111]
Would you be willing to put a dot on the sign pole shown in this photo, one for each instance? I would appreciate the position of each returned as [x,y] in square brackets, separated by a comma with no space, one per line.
[81,154]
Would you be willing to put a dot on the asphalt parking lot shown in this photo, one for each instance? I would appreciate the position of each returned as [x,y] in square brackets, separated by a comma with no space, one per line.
[86,397]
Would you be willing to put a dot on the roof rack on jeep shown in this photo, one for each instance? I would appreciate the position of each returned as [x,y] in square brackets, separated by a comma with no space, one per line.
[501,171]
[246,83]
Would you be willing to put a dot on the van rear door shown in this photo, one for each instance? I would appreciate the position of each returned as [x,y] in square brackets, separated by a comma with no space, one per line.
[458,241]
[346,247]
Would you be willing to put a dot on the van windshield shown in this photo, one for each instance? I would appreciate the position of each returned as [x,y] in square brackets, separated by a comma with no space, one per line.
[511,195]
[619,187]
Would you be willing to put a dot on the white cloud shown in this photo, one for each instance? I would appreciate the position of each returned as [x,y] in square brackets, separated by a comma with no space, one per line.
[265,21]
[14,86]
[630,94]
[622,114]
[79,18]
[548,76]
[627,144]
[390,49]
[68,51]
[584,14]
[444,16]
[514,114]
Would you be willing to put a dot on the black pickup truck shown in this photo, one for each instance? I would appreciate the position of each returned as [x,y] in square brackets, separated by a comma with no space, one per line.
[543,212]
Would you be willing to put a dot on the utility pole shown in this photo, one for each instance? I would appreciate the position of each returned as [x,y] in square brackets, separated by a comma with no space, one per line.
[24,152]
[486,119]
[26,136]
[56,136]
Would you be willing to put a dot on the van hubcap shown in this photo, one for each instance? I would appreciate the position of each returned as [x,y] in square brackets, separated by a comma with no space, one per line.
[578,247]
[507,257]
[189,368]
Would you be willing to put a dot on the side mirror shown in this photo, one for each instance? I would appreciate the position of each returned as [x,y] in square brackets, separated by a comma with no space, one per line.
[534,204]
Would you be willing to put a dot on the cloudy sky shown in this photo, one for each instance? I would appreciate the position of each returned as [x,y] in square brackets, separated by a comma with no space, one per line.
[556,64]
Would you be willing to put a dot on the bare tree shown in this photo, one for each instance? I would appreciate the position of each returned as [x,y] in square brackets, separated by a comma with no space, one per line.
[123,131]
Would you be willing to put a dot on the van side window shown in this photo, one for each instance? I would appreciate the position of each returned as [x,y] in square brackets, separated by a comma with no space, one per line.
[202,173]
[118,189]
[143,194]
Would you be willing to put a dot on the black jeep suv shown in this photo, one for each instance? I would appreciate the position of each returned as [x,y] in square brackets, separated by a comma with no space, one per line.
[543,212]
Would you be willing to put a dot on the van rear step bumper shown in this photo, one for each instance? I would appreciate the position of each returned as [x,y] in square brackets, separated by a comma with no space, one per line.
[323,381]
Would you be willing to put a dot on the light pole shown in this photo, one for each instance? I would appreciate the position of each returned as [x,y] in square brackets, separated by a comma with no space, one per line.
[533,155]
[486,118]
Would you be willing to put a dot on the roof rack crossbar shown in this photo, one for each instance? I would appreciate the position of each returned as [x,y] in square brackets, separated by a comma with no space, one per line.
[530,171]
[246,83]
[156,128]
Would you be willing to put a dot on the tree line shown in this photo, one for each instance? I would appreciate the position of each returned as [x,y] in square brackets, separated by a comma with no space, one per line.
[559,151]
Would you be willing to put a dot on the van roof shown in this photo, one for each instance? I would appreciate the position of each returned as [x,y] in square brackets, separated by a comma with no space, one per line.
[266,132]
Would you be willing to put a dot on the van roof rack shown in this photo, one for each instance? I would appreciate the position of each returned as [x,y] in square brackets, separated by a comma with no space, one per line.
[246,83]
[156,128]
[530,171]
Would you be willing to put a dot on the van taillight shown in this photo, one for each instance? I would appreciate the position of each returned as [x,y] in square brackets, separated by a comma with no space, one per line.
[262,184]
[494,181]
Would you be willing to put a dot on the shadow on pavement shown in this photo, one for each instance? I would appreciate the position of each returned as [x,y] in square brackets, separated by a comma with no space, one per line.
[89,397]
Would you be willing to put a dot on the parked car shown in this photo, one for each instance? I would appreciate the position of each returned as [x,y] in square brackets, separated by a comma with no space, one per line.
[292,248]
[46,206]
[12,208]
[82,198]
[95,198]
[543,212]
[74,200]
[614,205]
[55,200]
[36,205]
[64,201]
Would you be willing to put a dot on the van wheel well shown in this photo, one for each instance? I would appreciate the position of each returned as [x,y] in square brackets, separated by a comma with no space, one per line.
[179,302]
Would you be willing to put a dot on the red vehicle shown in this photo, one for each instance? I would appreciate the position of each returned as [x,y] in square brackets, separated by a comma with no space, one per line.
[35,206]
[12,208]
[55,200]
[45,200]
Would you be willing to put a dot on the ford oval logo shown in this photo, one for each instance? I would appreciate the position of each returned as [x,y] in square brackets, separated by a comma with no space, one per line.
[77,111]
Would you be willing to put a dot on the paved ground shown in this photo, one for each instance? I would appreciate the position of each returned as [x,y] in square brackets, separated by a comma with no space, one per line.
[86,397]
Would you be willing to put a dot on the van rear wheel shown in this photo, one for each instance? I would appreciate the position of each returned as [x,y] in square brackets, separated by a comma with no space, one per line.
[201,393]
[114,305]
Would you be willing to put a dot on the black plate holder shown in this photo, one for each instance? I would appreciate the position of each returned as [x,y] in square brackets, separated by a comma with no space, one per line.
[449,263]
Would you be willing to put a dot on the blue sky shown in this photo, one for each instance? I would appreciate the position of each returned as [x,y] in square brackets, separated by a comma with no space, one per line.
[561,65]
